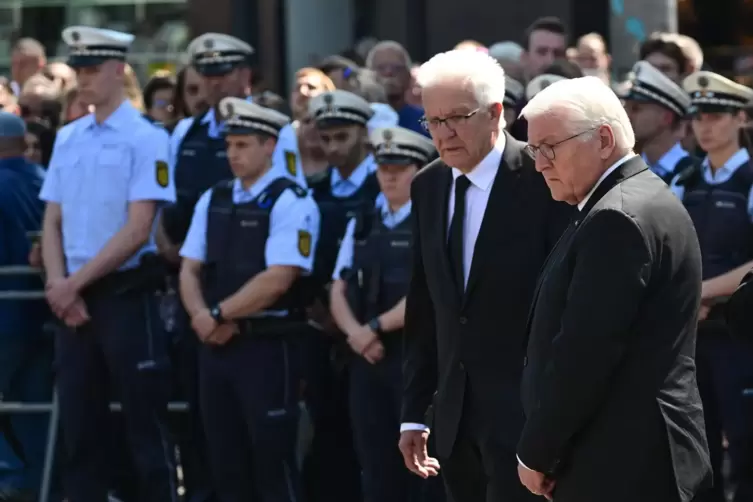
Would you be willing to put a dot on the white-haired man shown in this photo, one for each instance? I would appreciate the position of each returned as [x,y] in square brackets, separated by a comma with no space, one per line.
[609,386]
[483,225]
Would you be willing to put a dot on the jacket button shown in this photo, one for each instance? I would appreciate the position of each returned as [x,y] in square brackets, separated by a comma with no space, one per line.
[463,320]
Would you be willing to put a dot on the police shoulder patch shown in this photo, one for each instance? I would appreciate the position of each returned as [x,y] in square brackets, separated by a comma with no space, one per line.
[290,161]
[304,243]
[162,173]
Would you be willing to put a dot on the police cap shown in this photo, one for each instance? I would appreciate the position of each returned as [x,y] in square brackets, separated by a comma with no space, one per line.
[398,145]
[540,83]
[649,84]
[216,54]
[338,108]
[245,117]
[711,92]
[90,46]
[514,92]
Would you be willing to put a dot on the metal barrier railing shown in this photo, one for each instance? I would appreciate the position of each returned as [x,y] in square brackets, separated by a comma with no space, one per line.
[19,408]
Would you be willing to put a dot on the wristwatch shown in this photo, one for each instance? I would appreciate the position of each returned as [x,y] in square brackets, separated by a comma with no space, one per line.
[216,313]
[376,326]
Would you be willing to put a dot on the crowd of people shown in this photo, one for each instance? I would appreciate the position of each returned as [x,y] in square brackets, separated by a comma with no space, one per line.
[250,252]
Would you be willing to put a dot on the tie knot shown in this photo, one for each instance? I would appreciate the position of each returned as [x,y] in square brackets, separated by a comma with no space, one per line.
[461,185]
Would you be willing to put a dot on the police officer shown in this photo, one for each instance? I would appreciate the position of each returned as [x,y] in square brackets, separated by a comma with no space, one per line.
[250,240]
[657,107]
[107,178]
[348,188]
[197,146]
[370,282]
[514,92]
[540,83]
[25,355]
[718,197]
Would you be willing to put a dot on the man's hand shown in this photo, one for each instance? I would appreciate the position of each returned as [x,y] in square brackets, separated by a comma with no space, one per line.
[77,315]
[703,312]
[203,324]
[366,344]
[223,334]
[61,294]
[417,460]
[536,482]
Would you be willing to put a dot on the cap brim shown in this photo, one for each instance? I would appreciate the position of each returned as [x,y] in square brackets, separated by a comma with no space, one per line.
[215,69]
[397,160]
[88,61]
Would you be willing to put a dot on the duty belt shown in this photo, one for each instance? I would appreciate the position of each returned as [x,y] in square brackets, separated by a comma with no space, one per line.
[270,327]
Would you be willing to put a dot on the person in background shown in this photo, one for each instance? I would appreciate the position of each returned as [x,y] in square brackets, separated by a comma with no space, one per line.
[40,99]
[665,54]
[309,82]
[593,58]
[27,58]
[692,50]
[657,107]
[8,101]
[190,95]
[62,75]
[508,54]
[133,89]
[159,94]
[40,138]
[392,64]
[371,89]
[546,41]
[719,198]
[367,301]
[341,70]
[25,354]
[413,94]
[74,107]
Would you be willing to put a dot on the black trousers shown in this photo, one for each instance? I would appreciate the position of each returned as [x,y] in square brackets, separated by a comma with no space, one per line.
[480,468]
[249,403]
[124,345]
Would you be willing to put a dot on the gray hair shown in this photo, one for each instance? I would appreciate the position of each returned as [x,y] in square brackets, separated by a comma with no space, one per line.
[387,45]
[588,103]
[369,87]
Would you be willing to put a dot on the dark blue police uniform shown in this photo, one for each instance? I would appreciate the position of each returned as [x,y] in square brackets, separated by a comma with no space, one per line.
[331,471]
[249,387]
[720,204]
[96,171]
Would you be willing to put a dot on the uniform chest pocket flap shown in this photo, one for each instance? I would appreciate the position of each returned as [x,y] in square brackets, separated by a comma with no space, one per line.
[115,156]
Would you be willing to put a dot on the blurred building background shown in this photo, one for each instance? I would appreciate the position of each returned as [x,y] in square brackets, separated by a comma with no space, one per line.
[289,34]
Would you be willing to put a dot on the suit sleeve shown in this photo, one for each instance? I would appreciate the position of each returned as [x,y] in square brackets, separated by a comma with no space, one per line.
[612,265]
[420,350]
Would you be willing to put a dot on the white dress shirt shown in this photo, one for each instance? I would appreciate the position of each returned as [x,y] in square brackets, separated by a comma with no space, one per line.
[476,198]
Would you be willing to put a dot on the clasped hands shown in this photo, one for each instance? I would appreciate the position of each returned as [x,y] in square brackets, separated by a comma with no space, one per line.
[65,301]
[209,331]
[366,344]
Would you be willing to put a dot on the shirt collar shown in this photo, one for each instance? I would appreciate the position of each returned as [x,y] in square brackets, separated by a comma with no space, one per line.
[733,164]
[669,160]
[359,174]
[484,173]
[398,215]
[240,194]
[119,119]
[604,175]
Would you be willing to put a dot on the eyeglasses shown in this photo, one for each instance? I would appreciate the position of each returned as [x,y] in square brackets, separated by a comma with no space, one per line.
[452,122]
[546,150]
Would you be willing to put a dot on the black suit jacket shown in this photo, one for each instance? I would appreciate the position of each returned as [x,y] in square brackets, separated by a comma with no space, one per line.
[609,390]
[479,337]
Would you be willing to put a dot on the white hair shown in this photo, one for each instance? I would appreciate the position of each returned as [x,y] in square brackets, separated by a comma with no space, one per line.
[588,103]
[478,69]
[387,45]
[507,51]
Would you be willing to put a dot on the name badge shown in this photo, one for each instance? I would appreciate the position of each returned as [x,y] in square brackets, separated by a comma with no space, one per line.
[725,204]
[249,223]
[399,244]
[188,153]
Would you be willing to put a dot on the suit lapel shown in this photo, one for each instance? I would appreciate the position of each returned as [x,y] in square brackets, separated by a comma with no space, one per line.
[627,170]
[500,213]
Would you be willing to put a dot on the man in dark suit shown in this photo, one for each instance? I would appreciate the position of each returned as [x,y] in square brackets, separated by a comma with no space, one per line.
[482,229]
[609,389]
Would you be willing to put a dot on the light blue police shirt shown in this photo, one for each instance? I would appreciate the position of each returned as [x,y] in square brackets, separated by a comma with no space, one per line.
[722,175]
[96,170]
[290,216]
[390,220]
[286,159]
[345,187]
[667,163]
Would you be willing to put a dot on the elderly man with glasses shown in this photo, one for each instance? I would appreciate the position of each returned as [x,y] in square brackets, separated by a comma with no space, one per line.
[484,223]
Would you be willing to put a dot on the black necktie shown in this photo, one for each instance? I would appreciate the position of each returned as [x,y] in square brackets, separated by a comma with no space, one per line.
[455,244]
